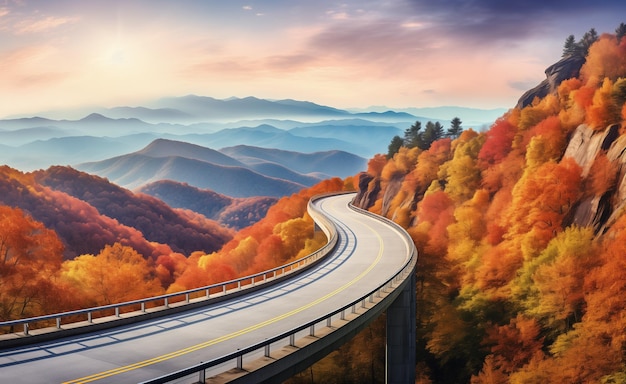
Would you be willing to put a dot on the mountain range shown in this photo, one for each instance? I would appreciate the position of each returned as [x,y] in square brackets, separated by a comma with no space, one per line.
[194,108]
[78,136]
[240,171]
[237,147]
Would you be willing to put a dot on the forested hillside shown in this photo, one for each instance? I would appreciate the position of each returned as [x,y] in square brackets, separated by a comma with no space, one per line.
[70,240]
[236,213]
[521,231]
[88,212]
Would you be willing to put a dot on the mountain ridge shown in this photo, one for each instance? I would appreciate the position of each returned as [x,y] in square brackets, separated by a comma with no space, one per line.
[242,171]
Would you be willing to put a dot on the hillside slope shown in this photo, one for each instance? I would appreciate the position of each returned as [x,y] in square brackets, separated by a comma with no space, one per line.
[521,233]
[230,212]
[88,213]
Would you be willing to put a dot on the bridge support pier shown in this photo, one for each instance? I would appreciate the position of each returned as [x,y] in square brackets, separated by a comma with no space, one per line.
[400,348]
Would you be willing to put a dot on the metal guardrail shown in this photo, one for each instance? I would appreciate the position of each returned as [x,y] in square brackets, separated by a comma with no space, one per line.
[395,282]
[211,291]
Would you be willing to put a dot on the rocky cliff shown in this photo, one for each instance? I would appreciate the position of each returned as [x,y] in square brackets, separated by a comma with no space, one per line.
[585,147]
[564,69]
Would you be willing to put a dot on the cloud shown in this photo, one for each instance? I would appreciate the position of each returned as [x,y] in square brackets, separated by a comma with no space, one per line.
[496,20]
[380,41]
[39,79]
[246,8]
[25,56]
[290,62]
[23,67]
[248,67]
[339,15]
[42,25]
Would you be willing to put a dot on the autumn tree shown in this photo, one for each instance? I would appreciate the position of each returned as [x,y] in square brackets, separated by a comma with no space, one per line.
[606,59]
[30,258]
[104,278]
[604,111]
[462,173]
[427,168]
[498,142]
[376,164]
[512,345]
[550,286]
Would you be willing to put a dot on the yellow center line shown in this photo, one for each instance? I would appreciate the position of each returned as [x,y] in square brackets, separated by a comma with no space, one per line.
[193,348]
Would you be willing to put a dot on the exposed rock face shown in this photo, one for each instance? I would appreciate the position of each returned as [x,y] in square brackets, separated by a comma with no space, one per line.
[564,69]
[370,189]
[584,146]
[367,193]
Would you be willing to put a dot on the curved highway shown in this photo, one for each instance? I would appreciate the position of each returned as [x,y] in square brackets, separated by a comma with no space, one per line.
[368,253]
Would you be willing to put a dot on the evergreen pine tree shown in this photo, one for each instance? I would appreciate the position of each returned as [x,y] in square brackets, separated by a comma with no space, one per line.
[570,48]
[413,136]
[620,32]
[394,146]
[455,128]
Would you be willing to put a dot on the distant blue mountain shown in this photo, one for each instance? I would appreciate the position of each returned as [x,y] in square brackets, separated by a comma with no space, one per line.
[26,122]
[41,154]
[168,148]
[370,137]
[269,137]
[241,171]
[211,109]
[290,125]
[331,163]
[26,135]
[150,115]
[135,170]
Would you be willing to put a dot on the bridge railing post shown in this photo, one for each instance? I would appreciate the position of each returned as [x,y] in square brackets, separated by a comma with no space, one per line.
[202,376]
[240,362]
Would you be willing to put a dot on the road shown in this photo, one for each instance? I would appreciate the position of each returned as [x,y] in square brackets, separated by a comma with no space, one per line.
[368,252]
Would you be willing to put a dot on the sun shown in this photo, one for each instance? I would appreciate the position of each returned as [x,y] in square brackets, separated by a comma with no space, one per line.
[117,54]
[118,57]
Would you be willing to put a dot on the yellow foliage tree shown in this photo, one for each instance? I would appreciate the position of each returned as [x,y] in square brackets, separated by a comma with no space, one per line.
[117,274]
[603,111]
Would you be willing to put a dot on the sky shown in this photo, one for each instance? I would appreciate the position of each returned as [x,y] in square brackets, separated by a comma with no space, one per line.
[64,54]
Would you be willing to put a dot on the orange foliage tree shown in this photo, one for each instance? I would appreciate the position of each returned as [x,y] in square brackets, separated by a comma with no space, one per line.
[30,259]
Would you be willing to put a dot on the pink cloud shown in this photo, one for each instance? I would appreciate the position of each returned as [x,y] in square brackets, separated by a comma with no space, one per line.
[42,25]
